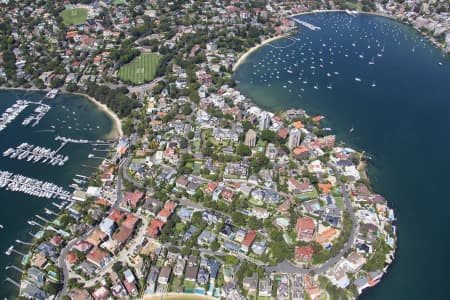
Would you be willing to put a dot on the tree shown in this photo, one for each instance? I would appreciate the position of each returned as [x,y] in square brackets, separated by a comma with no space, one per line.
[243,150]
[215,245]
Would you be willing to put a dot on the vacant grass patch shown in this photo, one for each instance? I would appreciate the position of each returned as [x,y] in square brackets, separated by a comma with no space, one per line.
[141,69]
[74,16]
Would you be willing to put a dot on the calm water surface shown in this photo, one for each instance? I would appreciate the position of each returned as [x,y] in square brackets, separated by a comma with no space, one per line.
[403,122]
[70,116]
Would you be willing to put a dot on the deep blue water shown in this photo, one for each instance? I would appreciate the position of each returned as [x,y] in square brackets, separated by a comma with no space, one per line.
[403,123]
[71,116]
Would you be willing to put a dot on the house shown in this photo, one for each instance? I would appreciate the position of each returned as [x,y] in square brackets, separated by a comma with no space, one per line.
[36,277]
[265,288]
[338,277]
[206,238]
[296,187]
[82,246]
[98,257]
[155,227]
[164,275]
[248,240]
[251,283]
[71,258]
[231,246]
[304,253]
[259,247]
[202,276]
[129,282]
[132,199]
[191,273]
[214,267]
[354,262]
[325,237]
[107,226]
[79,294]
[116,216]
[185,214]
[100,293]
[182,182]
[152,206]
[305,228]
[178,270]
[96,237]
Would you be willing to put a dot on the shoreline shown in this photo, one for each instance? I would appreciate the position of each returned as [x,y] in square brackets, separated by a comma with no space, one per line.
[117,122]
[174,296]
[245,55]
[363,166]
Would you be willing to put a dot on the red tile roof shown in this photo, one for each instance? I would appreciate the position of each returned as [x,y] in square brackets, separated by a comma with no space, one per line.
[249,238]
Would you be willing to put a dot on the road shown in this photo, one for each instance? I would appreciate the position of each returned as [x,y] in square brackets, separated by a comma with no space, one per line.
[288,267]
[62,256]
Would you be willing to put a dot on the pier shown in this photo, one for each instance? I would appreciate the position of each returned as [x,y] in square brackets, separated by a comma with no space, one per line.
[31,186]
[12,250]
[37,154]
[8,279]
[70,140]
[307,25]
[12,112]
[42,218]
[14,268]
[39,113]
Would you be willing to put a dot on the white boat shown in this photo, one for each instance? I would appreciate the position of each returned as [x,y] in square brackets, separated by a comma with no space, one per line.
[358,79]
[374,84]
[372,62]
[52,94]
[316,86]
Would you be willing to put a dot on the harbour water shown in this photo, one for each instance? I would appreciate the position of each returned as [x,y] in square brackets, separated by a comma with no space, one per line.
[70,116]
[389,84]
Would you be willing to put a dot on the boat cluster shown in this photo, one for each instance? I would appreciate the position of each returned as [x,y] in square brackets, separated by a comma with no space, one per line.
[40,112]
[36,154]
[12,112]
[31,186]
[71,140]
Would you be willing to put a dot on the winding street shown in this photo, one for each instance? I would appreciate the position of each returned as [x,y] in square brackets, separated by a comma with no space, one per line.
[62,256]
[288,267]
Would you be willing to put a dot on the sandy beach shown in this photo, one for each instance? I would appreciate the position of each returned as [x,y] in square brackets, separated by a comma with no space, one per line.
[178,296]
[244,56]
[117,123]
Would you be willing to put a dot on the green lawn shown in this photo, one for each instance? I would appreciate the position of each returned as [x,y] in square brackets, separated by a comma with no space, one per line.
[74,16]
[339,202]
[141,69]
[188,285]
[176,284]
[119,2]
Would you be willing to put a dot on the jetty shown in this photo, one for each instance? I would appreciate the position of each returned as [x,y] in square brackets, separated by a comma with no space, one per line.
[36,153]
[307,25]
[70,140]
[12,112]
[39,113]
[31,186]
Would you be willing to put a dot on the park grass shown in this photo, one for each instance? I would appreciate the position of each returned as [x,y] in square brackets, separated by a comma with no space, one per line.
[74,16]
[141,69]
[119,2]
[339,202]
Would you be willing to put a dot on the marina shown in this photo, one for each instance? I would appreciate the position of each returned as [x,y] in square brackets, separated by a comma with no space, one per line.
[36,117]
[12,112]
[381,114]
[31,186]
[36,154]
